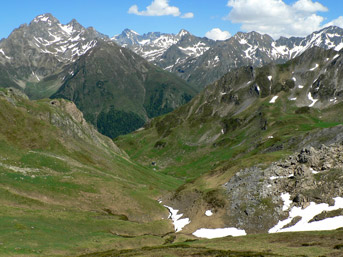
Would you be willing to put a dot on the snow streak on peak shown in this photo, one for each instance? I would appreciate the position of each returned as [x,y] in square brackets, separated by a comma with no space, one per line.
[153,45]
[65,42]
[42,18]
[182,33]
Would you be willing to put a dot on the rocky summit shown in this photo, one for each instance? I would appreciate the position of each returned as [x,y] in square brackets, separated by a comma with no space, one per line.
[35,55]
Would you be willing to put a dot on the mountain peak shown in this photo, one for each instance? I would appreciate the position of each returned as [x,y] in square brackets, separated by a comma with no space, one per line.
[130,31]
[74,23]
[45,18]
[183,32]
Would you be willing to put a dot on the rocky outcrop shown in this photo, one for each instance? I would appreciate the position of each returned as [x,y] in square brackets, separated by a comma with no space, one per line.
[70,119]
[255,194]
[64,115]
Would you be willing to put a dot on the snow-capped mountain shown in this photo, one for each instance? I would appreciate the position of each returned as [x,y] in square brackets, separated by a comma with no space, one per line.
[164,50]
[47,35]
[43,48]
[48,59]
[201,61]
[150,46]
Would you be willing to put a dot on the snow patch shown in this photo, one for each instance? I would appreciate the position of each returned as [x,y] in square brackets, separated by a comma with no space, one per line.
[196,50]
[258,89]
[308,214]
[300,86]
[336,56]
[334,100]
[280,177]
[339,47]
[311,99]
[273,99]
[313,171]
[270,78]
[208,213]
[68,29]
[294,79]
[2,51]
[34,74]
[144,42]
[293,99]
[169,67]
[286,198]
[179,224]
[242,41]
[41,18]
[134,32]
[218,232]
[315,67]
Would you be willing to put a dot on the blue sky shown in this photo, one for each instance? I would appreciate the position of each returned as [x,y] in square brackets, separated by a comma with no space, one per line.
[274,17]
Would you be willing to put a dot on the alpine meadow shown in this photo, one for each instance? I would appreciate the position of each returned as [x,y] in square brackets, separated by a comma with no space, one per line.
[215,130]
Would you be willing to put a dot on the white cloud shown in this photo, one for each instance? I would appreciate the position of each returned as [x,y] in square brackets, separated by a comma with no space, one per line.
[188,15]
[159,8]
[276,18]
[218,34]
[309,6]
[337,22]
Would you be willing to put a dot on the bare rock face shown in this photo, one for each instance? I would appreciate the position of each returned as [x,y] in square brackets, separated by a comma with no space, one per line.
[312,175]
[70,119]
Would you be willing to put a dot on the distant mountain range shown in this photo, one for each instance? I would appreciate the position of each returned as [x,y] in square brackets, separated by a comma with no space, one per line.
[117,90]
[201,61]
[131,83]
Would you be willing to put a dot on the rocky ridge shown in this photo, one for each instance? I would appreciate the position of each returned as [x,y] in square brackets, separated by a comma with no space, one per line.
[165,50]
[218,57]
[257,195]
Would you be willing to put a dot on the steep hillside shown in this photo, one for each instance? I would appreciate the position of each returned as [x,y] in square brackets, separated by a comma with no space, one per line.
[224,141]
[118,90]
[66,189]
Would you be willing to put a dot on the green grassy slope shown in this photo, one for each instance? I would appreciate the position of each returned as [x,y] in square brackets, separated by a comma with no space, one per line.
[233,119]
[233,125]
[311,244]
[66,189]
